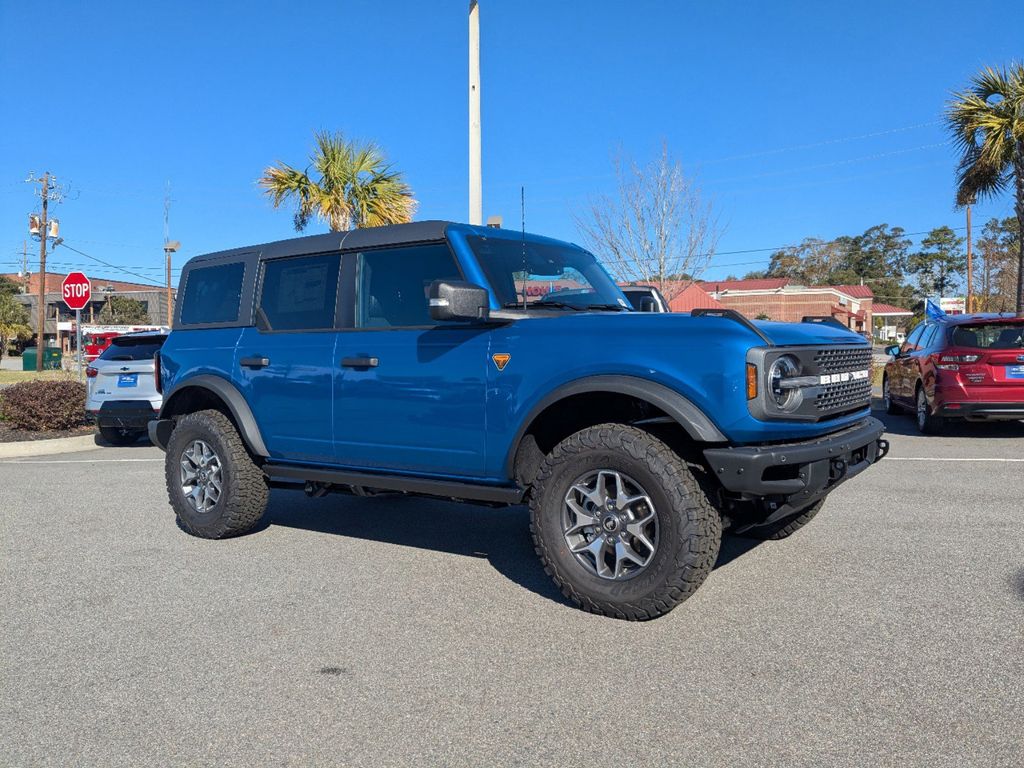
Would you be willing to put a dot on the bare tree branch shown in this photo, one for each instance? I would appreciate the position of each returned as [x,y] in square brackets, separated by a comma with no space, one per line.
[658,228]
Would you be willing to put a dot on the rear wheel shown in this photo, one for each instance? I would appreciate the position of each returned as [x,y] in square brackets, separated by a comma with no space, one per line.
[120,435]
[621,523]
[890,406]
[214,486]
[927,424]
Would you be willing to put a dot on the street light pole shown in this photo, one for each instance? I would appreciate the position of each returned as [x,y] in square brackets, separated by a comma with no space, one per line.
[970,264]
[476,206]
[170,247]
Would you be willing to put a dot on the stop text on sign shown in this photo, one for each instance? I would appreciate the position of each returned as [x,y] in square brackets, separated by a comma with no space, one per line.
[76,290]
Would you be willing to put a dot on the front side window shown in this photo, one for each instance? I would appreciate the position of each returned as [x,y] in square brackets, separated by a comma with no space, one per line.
[394,283]
[911,343]
[213,294]
[299,294]
[538,275]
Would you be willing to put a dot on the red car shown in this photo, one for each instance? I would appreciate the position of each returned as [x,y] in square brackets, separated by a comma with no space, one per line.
[959,367]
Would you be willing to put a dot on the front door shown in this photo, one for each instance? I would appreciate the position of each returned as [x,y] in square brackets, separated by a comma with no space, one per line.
[410,392]
[286,365]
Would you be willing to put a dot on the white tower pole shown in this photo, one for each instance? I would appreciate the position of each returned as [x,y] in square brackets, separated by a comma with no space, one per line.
[476,196]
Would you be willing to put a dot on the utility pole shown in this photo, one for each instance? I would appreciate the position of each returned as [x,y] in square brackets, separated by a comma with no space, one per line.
[41,309]
[476,202]
[970,264]
[24,267]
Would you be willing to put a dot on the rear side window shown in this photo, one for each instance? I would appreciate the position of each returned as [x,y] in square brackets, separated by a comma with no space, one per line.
[929,337]
[212,294]
[300,293]
[133,348]
[393,284]
[989,336]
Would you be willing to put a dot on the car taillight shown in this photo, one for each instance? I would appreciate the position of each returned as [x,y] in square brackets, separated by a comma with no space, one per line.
[91,373]
[156,372]
[953,362]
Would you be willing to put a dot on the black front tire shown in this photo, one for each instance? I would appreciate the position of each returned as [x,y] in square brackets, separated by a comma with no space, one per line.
[243,493]
[119,436]
[689,527]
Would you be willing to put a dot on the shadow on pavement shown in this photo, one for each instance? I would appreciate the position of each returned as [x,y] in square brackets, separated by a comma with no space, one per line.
[904,424]
[501,535]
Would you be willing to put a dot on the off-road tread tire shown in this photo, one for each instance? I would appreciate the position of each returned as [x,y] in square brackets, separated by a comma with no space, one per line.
[782,529]
[245,491]
[697,522]
[892,409]
[115,436]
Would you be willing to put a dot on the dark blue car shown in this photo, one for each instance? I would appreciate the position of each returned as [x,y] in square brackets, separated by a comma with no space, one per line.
[487,366]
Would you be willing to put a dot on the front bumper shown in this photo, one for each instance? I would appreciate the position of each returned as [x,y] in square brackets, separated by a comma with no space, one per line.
[789,477]
[123,414]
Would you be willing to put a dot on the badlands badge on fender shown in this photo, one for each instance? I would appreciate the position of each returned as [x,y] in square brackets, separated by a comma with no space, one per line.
[501,359]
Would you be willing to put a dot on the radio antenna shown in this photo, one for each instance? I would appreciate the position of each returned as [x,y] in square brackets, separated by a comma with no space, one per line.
[522,218]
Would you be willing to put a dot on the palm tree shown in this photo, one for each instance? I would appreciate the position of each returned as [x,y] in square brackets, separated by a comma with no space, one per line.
[356,187]
[987,123]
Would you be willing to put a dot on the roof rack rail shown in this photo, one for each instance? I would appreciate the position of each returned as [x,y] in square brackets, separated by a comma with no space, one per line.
[732,314]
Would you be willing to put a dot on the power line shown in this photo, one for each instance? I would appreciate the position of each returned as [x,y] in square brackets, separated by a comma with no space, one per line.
[111,266]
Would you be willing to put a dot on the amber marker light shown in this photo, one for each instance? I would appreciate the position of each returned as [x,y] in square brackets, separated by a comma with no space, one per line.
[751,381]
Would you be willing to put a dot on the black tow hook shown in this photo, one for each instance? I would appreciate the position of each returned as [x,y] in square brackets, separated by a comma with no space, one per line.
[883,449]
[837,470]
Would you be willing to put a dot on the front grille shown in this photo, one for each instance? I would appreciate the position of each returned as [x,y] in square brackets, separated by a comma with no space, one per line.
[847,396]
[842,359]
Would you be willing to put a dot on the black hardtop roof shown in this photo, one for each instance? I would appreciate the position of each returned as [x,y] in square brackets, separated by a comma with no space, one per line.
[369,237]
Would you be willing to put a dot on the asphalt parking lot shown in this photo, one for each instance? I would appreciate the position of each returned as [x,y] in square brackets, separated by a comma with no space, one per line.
[396,631]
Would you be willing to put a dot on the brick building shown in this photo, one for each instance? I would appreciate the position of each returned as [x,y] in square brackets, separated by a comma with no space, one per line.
[781,299]
[58,316]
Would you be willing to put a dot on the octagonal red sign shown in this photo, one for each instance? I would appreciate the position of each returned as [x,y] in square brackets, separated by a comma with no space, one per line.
[76,290]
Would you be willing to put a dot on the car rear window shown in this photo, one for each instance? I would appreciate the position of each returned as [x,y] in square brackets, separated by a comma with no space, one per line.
[133,348]
[213,294]
[989,336]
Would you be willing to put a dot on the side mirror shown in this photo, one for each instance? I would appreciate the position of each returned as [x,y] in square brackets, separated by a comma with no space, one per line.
[647,304]
[456,300]
[893,351]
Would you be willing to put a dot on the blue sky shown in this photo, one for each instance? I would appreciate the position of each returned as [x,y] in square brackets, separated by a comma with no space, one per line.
[799,118]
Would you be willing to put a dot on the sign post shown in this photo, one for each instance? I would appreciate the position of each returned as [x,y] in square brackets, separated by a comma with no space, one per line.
[76,291]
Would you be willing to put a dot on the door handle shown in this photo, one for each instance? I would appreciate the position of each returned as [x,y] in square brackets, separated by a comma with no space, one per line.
[254,362]
[359,362]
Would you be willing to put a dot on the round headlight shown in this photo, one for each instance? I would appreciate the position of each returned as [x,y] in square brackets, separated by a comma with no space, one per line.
[784,368]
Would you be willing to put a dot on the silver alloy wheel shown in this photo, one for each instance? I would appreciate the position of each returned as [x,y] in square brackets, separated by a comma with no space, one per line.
[609,524]
[922,409]
[200,476]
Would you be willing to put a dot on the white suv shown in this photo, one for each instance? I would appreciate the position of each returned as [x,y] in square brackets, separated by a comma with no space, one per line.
[122,396]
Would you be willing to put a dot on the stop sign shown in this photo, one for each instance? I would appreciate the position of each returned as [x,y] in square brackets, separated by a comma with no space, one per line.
[76,290]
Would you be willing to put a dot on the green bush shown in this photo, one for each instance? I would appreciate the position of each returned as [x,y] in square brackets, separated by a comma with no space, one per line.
[42,405]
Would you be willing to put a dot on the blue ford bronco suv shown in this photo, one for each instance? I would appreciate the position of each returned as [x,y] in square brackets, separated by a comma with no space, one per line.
[495,367]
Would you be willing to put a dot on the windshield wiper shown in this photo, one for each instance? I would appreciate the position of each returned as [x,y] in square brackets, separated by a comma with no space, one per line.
[616,307]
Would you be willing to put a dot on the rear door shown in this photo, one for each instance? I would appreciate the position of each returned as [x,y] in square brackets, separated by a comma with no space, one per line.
[285,365]
[905,369]
[409,394]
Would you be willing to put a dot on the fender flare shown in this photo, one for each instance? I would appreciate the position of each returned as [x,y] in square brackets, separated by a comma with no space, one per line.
[679,408]
[235,402]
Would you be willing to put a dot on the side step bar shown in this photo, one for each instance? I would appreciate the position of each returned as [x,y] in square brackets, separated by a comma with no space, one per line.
[401,483]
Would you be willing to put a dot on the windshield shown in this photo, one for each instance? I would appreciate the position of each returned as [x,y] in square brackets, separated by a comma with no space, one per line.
[545,274]
[989,336]
[133,348]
